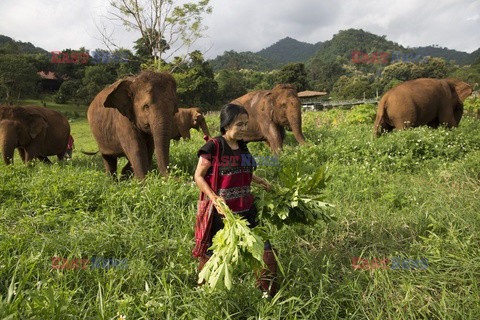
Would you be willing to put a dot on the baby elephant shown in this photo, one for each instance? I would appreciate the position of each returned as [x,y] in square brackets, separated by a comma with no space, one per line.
[424,101]
[37,132]
[185,119]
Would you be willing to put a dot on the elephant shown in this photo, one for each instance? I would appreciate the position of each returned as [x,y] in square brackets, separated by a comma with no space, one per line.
[131,118]
[36,131]
[187,118]
[423,101]
[270,111]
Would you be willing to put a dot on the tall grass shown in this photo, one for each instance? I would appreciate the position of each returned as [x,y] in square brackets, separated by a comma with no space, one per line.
[411,194]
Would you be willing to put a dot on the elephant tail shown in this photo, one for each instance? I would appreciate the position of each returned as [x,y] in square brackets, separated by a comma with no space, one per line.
[89,153]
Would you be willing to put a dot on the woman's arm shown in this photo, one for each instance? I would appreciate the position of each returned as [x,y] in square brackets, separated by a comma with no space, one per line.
[199,178]
[259,180]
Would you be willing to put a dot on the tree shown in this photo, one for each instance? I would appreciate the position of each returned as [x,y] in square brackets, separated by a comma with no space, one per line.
[96,78]
[433,68]
[397,71]
[295,74]
[196,85]
[323,74]
[231,84]
[163,25]
[18,77]
[352,88]
[257,80]
[145,49]
[469,74]
[69,89]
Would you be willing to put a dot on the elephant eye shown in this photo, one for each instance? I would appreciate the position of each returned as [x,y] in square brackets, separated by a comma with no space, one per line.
[145,107]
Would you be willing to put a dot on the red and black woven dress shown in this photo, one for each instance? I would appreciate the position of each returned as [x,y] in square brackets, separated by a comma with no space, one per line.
[234,178]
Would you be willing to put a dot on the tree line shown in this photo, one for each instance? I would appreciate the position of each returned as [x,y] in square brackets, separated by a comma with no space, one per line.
[210,83]
[199,86]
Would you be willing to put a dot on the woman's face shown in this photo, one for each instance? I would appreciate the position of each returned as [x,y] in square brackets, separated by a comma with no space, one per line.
[237,128]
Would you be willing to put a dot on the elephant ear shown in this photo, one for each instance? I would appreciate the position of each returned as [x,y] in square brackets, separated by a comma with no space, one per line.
[119,96]
[36,125]
[197,115]
[269,105]
[462,89]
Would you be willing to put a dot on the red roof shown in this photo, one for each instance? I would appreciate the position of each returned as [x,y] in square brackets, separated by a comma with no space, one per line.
[50,75]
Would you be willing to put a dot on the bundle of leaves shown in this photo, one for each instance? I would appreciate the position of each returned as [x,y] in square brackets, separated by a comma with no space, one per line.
[235,244]
[298,199]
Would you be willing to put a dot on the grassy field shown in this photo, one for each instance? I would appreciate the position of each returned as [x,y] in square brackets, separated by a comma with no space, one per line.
[413,194]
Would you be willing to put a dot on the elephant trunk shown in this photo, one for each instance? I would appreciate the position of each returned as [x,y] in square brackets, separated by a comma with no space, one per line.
[161,138]
[203,125]
[295,123]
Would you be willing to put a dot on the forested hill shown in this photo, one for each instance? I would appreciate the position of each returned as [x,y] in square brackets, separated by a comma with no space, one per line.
[341,45]
[242,60]
[345,41]
[461,58]
[8,45]
[289,50]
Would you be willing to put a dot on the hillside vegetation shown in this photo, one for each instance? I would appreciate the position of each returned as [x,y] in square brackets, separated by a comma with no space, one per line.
[288,50]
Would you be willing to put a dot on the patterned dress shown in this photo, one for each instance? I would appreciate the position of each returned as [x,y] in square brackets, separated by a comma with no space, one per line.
[235,173]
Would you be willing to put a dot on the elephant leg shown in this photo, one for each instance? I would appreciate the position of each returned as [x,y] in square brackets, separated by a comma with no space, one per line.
[21,153]
[29,156]
[127,171]
[283,134]
[382,127]
[274,138]
[7,155]
[110,163]
[402,124]
[150,149]
[448,121]
[44,160]
[137,154]
[185,134]
[434,124]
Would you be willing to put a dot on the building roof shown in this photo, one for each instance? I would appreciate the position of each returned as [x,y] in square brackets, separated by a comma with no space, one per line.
[309,94]
[50,75]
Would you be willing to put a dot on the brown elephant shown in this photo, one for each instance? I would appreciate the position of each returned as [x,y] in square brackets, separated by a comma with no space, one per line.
[270,111]
[131,118]
[37,132]
[424,101]
[187,118]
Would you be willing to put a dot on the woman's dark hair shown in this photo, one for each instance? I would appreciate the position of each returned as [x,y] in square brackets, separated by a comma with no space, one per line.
[228,113]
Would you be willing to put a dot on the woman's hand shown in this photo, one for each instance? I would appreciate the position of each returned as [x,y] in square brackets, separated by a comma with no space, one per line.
[267,185]
[215,200]
[262,182]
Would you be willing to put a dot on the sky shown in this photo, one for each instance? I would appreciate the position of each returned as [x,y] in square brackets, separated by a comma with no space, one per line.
[252,25]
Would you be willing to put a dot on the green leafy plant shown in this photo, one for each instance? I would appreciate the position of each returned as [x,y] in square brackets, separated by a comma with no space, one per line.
[235,244]
[298,199]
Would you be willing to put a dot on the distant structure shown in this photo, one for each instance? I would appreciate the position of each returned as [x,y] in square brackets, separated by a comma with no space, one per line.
[311,98]
[49,81]
[311,101]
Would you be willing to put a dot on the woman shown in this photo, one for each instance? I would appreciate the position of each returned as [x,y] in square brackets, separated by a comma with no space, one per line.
[235,174]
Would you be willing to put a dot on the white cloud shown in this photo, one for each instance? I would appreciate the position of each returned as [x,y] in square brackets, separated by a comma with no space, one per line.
[251,25]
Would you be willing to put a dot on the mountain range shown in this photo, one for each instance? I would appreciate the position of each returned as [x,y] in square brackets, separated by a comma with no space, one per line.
[289,50]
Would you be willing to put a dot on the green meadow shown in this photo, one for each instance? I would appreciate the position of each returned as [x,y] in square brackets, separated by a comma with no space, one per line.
[413,194]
